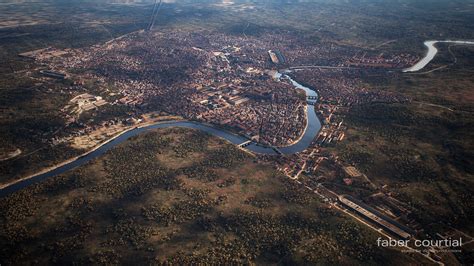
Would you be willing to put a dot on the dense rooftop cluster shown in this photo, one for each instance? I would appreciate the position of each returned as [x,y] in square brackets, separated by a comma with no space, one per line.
[220,79]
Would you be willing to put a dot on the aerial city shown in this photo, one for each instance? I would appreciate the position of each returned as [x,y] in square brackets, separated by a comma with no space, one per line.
[218,132]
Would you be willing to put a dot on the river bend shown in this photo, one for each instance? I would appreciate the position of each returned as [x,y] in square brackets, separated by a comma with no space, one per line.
[312,128]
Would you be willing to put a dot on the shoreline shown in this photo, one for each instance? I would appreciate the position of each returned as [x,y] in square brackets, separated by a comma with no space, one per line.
[305,106]
[68,161]
[144,126]
[302,133]
[431,54]
[15,185]
[98,146]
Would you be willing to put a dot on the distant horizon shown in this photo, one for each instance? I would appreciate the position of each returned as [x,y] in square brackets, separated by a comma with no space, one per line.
[222,132]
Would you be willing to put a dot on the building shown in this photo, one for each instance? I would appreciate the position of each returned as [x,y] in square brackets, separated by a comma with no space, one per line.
[376,217]
[352,171]
[276,57]
[53,74]
[236,100]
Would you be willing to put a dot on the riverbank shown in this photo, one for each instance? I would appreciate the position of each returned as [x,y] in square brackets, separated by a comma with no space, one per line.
[311,130]
[308,93]
[54,167]
[94,148]
[431,53]
[302,133]
[10,155]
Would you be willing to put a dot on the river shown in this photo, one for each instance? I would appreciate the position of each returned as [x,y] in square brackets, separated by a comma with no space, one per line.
[312,128]
[432,51]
